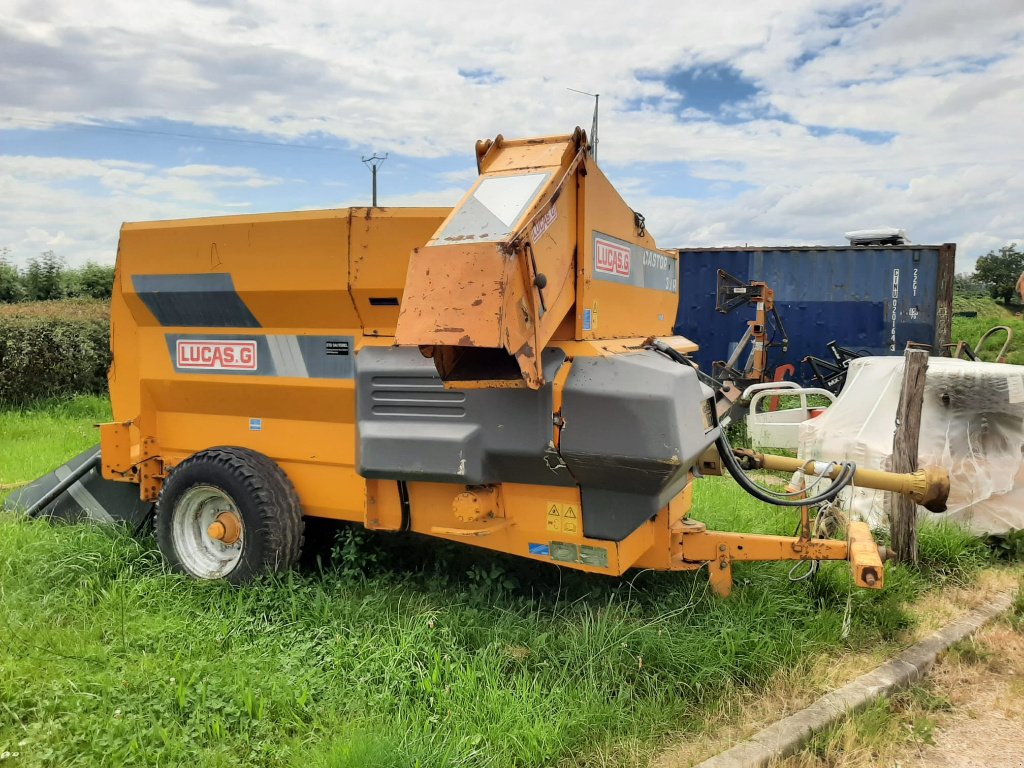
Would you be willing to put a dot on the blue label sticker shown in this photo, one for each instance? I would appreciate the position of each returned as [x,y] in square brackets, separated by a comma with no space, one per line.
[540,549]
[255,425]
[588,319]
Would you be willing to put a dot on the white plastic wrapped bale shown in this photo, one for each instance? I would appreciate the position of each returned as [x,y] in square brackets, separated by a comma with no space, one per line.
[972,423]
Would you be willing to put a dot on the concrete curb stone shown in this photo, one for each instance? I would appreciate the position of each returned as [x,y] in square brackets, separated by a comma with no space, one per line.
[789,734]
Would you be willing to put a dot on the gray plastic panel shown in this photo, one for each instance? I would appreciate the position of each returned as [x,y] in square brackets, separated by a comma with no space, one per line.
[633,430]
[411,428]
[194,301]
[92,498]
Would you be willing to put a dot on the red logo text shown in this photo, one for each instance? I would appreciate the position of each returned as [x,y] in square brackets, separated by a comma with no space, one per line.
[216,355]
[611,258]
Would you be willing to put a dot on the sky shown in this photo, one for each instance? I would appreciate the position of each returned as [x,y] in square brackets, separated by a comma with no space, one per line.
[725,123]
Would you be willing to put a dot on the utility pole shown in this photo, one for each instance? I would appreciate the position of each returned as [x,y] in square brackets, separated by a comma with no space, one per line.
[373,163]
[593,127]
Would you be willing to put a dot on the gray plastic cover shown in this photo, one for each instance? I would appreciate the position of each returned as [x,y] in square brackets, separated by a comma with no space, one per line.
[92,498]
[411,428]
[633,430]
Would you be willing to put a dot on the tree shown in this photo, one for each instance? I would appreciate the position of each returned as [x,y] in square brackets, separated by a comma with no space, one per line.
[965,284]
[10,279]
[95,281]
[1001,270]
[44,278]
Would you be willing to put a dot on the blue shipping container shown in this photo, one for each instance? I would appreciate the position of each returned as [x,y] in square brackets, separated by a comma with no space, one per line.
[873,299]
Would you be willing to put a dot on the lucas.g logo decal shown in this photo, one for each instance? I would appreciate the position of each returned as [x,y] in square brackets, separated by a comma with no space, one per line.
[216,355]
[619,261]
[611,258]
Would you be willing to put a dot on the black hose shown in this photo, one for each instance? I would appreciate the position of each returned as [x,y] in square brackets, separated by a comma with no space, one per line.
[762,494]
[665,349]
[678,357]
[844,478]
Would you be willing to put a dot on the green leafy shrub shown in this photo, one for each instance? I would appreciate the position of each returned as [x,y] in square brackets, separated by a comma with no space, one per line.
[1007,546]
[53,349]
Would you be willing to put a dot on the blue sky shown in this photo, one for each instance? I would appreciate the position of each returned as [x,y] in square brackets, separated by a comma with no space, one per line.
[313,171]
[777,122]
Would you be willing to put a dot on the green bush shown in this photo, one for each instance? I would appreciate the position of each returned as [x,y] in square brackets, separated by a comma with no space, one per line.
[53,349]
[1007,546]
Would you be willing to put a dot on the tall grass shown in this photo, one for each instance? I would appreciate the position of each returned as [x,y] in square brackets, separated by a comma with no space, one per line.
[989,314]
[394,650]
[38,437]
[399,651]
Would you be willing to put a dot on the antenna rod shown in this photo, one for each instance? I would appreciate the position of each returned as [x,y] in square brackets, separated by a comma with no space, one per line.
[593,127]
[373,163]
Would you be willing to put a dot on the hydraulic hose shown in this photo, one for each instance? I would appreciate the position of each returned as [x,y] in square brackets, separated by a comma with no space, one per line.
[843,479]
[761,493]
[678,357]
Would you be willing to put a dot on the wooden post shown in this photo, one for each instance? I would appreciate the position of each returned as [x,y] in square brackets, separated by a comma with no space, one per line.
[944,297]
[903,511]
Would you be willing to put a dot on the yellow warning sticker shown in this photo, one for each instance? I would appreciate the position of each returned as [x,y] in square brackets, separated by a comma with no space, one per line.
[570,520]
[564,518]
[554,518]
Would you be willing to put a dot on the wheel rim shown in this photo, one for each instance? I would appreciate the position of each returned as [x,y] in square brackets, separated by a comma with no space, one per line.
[204,510]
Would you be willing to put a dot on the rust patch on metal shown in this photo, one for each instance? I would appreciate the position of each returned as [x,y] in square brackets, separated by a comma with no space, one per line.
[460,238]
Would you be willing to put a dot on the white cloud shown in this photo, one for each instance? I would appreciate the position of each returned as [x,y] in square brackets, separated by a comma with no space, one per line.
[197,170]
[947,80]
[76,207]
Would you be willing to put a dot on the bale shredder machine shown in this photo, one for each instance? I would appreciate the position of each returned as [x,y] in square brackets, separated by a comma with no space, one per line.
[502,374]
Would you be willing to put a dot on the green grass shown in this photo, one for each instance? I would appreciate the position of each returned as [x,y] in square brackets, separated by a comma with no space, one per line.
[990,313]
[397,650]
[40,437]
[907,719]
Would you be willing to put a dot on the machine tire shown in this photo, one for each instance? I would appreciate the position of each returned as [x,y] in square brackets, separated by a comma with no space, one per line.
[246,484]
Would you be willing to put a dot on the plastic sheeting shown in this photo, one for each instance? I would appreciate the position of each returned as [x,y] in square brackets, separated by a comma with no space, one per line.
[972,423]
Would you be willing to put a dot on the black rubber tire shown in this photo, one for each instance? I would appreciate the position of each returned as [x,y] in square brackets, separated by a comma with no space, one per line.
[264,496]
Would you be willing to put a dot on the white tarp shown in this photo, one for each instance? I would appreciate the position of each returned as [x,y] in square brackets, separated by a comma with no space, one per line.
[972,423]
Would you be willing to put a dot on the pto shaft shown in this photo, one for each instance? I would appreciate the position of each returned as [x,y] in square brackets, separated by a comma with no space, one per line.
[928,486]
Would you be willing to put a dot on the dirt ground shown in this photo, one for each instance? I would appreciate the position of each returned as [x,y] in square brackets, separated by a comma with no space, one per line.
[969,713]
[984,682]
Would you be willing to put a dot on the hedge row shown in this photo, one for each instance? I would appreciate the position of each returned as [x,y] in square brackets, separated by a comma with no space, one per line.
[53,349]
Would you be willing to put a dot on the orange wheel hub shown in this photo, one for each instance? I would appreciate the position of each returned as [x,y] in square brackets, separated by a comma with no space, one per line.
[227,528]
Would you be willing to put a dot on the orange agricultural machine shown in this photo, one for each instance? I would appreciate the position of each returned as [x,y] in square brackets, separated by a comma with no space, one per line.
[502,374]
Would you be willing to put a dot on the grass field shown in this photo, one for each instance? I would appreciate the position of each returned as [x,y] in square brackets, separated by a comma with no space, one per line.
[990,313]
[395,651]
[39,438]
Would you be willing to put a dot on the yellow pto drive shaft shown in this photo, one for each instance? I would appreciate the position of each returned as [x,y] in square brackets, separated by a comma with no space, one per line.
[718,549]
[928,486]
